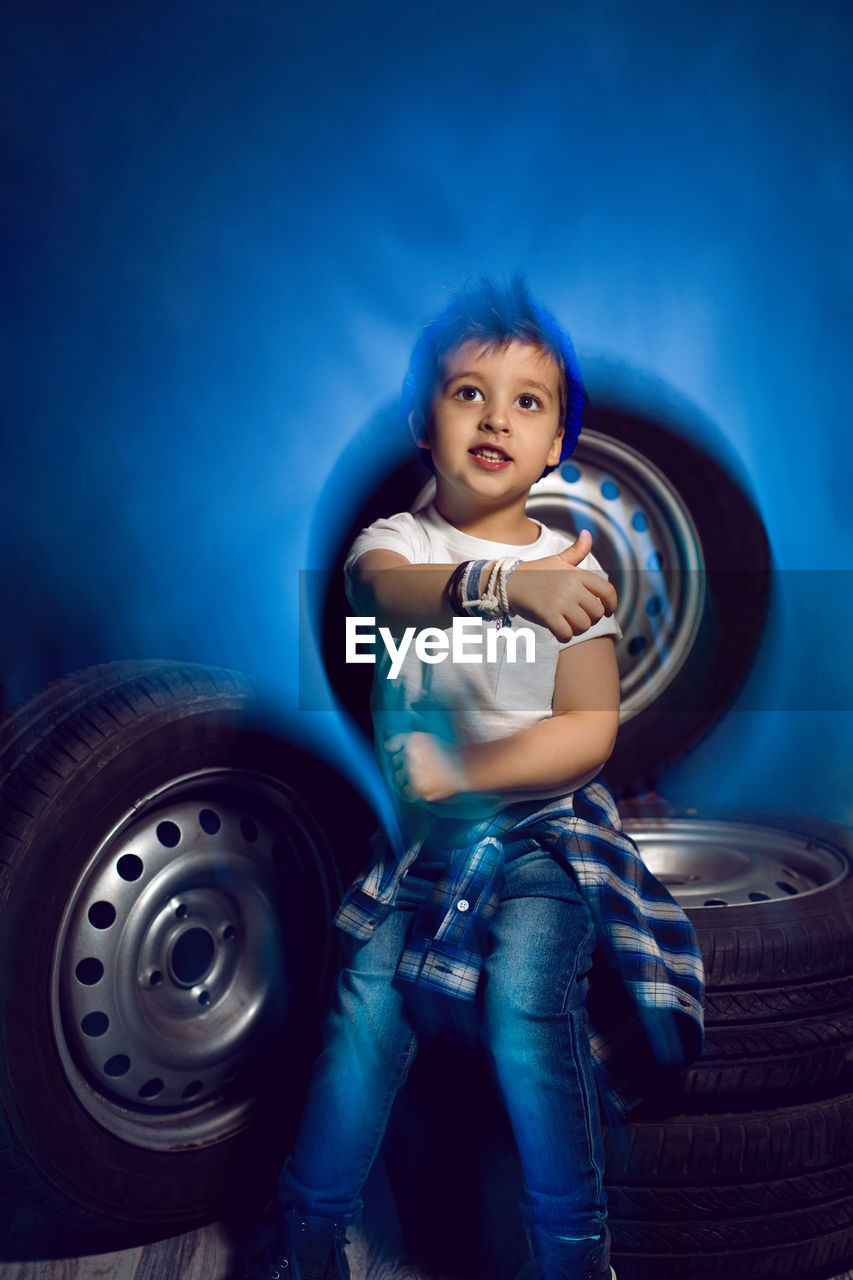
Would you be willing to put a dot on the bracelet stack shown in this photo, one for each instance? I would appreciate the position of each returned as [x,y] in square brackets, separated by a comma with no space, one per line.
[464,586]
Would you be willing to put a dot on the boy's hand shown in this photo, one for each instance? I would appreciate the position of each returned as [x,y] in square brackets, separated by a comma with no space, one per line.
[425,769]
[558,595]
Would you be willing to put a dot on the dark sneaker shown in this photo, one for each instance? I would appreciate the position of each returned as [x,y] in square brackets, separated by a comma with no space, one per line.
[559,1259]
[265,1248]
[315,1247]
[287,1245]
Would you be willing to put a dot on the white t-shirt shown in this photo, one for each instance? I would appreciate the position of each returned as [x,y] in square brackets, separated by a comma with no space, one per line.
[468,701]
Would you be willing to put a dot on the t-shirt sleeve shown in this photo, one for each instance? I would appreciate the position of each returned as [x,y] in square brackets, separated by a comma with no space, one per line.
[401,533]
[605,626]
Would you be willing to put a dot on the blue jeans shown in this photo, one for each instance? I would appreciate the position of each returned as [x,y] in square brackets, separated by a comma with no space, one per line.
[532,1024]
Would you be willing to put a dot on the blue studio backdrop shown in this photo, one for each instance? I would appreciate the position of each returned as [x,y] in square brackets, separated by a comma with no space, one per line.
[224,222]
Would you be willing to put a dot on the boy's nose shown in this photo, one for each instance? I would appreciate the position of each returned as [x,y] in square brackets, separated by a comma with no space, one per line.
[495,419]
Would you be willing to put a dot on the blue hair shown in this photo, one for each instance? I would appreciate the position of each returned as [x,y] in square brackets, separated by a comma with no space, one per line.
[494,316]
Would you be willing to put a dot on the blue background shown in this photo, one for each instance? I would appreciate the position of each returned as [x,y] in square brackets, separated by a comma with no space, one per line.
[223,224]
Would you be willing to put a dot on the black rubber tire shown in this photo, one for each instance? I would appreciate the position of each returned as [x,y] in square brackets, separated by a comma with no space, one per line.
[779,973]
[775,944]
[761,1195]
[793,1058]
[71,762]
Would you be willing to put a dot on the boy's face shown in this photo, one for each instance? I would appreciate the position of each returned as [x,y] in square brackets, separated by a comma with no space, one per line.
[495,422]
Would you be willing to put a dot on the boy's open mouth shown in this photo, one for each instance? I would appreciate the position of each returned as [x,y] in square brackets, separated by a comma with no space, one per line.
[490,456]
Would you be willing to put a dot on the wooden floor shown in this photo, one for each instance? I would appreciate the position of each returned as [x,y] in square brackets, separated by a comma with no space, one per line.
[215,1252]
[211,1253]
[200,1255]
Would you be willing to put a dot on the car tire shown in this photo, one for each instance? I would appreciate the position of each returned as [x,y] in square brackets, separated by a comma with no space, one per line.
[747,1196]
[745,1170]
[167,880]
[770,897]
[686,549]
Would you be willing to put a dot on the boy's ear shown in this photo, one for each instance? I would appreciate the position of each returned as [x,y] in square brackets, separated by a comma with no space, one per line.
[418,428]
[555,452]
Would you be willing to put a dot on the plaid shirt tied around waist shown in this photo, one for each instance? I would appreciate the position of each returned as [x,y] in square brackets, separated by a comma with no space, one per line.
[646,987]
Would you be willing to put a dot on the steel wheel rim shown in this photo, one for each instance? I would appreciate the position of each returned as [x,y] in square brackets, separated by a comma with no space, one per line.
[166,972]
[644,536]
[711,863]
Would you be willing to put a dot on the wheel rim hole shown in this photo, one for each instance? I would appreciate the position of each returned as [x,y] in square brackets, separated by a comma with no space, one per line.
[209,821]
[168,833]
[249,828]
[193,1088]
[117,1065]
[192,956]
[785,887]
[94,1024]
[715,902]
[156,978]
[609,490]
[636,644]
[654,606]
[129,867]
[204,998]
[181,911]
[89,971]
[755,896]
[229,932]
[151,1088]
[101,915]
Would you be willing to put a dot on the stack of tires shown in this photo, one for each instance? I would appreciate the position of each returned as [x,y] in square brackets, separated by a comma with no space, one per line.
[747,1172]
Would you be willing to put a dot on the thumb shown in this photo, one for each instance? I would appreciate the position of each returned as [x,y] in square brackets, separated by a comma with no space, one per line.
[579,549]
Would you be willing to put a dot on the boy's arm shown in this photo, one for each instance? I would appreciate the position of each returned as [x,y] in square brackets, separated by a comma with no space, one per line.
[387,586]
[552,591]
[566,750]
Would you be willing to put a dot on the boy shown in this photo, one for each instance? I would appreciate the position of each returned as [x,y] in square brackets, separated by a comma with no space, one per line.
[515,866]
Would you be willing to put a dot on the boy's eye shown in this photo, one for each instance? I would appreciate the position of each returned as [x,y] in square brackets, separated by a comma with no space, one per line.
[528,401]
[468,393]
